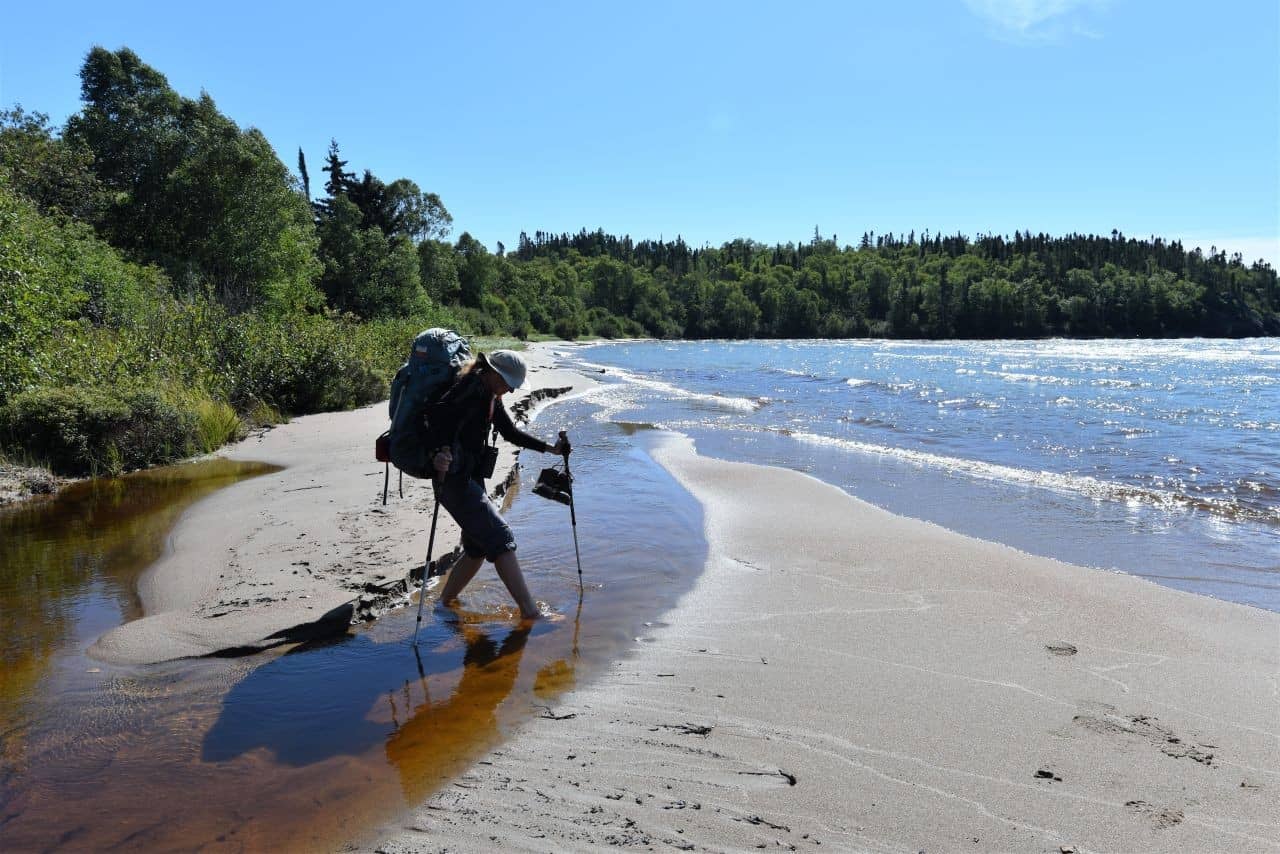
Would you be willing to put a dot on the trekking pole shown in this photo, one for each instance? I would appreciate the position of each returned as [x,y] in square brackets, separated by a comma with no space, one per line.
[426,567]
[573,515]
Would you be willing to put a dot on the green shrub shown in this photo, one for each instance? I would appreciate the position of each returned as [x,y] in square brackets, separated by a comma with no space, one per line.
[262,414]
[568,328]
[216,424]
[606,327]
[98,431]
[497,310]
[300,364]
[472,321]
[603,324]
[489,343]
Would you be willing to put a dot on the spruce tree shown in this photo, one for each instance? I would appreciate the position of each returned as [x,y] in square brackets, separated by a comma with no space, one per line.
[306,179]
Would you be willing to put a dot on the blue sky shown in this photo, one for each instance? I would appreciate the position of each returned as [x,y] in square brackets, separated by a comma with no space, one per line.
[716,120]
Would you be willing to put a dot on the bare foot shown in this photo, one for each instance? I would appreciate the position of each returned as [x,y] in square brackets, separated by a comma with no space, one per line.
[543,612]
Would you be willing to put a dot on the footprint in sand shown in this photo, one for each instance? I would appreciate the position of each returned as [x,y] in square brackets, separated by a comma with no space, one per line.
[1148,728]
[1161,817]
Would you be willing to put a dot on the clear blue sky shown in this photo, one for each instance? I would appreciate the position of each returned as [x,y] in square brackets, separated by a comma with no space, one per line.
[716,120]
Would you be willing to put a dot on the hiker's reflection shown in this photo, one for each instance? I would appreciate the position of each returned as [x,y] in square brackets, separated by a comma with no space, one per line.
[557,677]
[314,703]
[438,738]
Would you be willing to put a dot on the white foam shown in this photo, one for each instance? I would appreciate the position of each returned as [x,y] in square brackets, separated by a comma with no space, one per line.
[1014,377]
[1138,351]
[1090,487]
[737,404]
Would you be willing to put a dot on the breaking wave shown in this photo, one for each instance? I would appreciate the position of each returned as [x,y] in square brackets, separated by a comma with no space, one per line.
[1091,487]
[738,404]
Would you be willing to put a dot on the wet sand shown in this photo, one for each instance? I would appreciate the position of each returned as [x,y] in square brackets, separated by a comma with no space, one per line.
[844,679]
[303,552]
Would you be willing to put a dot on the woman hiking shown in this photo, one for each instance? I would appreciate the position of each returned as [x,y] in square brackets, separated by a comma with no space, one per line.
[458,427]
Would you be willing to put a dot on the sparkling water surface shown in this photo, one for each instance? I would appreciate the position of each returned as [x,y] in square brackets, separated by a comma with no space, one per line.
[1159,458]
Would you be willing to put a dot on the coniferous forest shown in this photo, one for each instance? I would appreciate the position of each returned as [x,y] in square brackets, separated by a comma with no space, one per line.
[166,280]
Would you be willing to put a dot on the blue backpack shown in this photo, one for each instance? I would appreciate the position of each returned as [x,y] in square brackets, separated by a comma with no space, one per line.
[430,369]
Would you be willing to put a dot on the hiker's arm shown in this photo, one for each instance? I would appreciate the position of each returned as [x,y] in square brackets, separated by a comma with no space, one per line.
[514,434]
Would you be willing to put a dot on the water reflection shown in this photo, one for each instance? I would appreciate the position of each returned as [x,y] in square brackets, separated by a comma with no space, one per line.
[315,702]
[447,731]
[69,565]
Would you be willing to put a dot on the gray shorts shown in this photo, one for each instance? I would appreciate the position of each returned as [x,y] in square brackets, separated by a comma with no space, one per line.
[484,533]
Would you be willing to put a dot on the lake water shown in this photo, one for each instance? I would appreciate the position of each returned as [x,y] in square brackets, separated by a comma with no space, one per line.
[1158,458]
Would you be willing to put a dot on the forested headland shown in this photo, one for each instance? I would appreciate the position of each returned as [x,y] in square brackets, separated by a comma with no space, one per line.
[167,280]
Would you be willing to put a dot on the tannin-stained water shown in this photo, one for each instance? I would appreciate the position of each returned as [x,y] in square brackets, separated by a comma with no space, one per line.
[307,747]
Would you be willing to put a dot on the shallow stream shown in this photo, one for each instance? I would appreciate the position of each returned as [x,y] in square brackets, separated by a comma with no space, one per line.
[305,747]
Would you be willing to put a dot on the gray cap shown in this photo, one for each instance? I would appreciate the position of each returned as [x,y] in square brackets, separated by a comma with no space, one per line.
[509,366]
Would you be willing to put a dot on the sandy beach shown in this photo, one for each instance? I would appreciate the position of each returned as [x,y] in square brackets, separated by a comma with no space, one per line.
[839,678]
[305,551]
[845,679]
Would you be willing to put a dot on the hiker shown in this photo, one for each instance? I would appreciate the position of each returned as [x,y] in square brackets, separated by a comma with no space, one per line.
[459,424]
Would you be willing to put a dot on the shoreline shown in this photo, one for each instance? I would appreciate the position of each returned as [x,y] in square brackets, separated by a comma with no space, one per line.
[306,551]
[907,688]
[891,693]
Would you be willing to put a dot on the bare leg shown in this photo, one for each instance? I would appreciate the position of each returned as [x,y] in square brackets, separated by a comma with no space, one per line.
[509,571]
[464,569]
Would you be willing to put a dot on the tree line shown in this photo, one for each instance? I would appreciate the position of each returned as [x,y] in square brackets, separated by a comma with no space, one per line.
[909,286]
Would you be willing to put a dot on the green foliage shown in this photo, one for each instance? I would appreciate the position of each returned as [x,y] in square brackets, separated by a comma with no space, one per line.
[473,321]
[299,364]
[52,173]
[569,328]
[191,191]
[489,343]
[477,271]
[367,229]
[262,414]
[98,431]
[438,270]
[241,224]
[216,425]
[906,287]
[107,365]
[366,272]
[59,287]
[398,209]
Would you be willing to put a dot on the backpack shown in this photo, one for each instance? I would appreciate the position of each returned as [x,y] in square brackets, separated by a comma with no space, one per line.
[430,369]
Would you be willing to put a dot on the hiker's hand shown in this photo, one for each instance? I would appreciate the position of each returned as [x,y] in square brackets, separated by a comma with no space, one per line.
[442,460]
